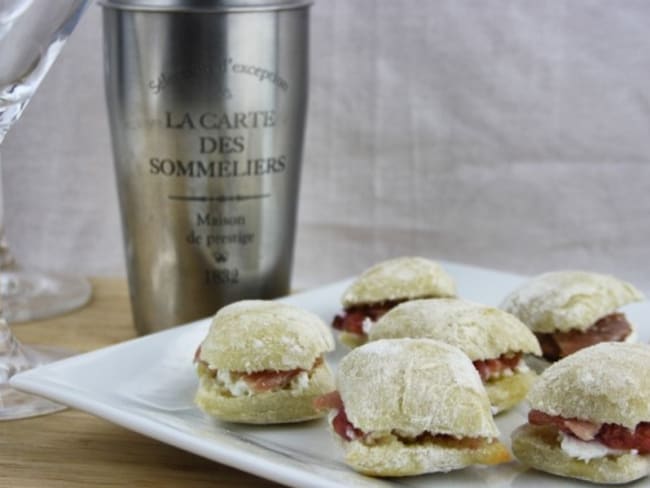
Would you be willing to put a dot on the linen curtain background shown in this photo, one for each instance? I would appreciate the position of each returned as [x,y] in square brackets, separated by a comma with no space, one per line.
[506,134]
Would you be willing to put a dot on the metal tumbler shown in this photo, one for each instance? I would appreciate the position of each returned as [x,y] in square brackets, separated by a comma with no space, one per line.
[207,102]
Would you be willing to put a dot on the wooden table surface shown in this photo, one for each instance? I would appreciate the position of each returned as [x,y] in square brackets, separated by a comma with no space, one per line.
[72,448]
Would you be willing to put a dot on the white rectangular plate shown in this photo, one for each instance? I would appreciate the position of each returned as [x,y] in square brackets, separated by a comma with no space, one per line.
[147,385]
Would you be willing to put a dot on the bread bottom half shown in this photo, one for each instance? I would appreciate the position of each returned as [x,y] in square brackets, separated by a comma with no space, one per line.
[508,391]
[352,340]
[394,458]
[282,406]
[537,363]
[539,447]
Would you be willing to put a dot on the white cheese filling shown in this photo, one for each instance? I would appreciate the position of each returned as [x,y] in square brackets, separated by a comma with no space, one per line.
[300,383]
[366,325]
[521,367]
[587,450]
[234,383]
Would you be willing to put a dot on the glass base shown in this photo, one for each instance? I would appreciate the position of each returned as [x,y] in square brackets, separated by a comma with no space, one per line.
[15,404]
[14,358]
[30,295]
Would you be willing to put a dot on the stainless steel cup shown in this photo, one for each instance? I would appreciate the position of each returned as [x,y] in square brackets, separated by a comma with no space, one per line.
[207,102]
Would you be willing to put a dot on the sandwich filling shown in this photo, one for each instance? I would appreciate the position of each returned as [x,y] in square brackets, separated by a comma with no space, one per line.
[242,383]
[585,440]
[348,432]
[505,365]
[359,318]
[610,328]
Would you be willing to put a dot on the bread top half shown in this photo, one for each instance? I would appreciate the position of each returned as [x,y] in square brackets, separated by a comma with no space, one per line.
[605,383]
[402,278]
[256,335]
[566,300]
[480,331]
[413,386]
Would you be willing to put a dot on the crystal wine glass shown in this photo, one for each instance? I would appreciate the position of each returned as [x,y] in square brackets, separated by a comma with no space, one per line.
[32,33]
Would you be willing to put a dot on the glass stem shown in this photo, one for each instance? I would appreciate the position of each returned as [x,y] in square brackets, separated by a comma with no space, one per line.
[12,358]
[7,260]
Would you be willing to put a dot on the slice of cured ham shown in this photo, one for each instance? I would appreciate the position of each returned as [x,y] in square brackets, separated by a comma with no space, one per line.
[492,368]
[340,423]
[351,319]
[611,435]
[265,380]
[611,328]
[329,401]
[262,381]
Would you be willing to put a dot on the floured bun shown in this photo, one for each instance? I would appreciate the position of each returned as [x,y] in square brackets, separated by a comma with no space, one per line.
[606,383]
[263,362]
[383,286]
[412,406]
[570,310]
[253,335]
[590,416]
[566,300]
[494,340]
[403,278]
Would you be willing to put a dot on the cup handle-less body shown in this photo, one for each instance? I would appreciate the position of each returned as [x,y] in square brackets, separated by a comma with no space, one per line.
[207,114]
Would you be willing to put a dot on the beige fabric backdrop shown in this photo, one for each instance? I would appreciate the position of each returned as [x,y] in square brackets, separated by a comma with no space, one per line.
[507,134]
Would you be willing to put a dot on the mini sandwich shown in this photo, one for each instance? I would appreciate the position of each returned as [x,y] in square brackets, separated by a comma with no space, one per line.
[590,416]
[384,286]
[494,340]
[570,310]
[262,362]
[411,406]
